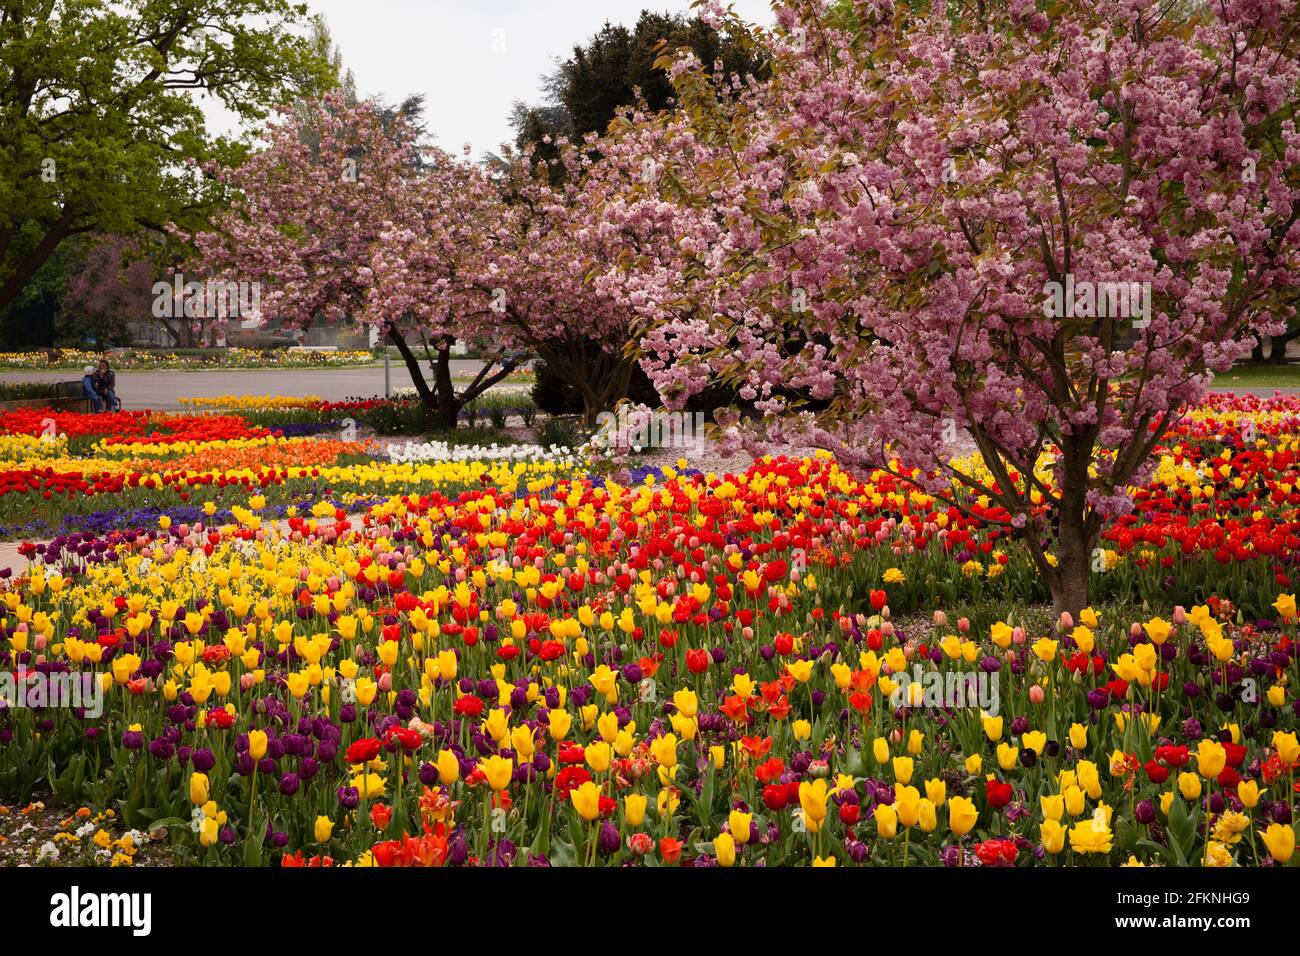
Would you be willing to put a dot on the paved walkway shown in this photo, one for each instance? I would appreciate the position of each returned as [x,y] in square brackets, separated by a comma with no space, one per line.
[161,390]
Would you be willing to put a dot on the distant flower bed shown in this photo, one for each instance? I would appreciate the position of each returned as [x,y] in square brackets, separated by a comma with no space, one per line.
[147,360]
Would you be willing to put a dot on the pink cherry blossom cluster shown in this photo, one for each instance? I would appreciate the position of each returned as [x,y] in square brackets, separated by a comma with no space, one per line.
[865,246]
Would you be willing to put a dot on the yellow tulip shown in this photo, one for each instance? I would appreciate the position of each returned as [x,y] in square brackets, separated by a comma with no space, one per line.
[365,689]
[903,769]
[497,725]
[813,797]
[928,819]
[586,800]
[1280,840]
[800,670]
[741,825]
[1078,736]
[686,702]
[1157,630]
[257,744]
[558,723]
[1053,836]
[1084,638]
[498,771]
[886,821]
[607,727]
[634,809]
[598,755]
[1091,836]
[907,801]
[962,815]
[1007,756]
[724,848]
[664,750]
[1089,779]
[448,768]
[1288,749]
[200,788]
[992,727]
[1210,759]
[1053,806]
[1074,799]
[521,738]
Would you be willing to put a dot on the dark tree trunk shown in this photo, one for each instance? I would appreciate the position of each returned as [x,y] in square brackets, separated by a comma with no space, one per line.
[447,406]
[601,379]
[440,400]
[31,263]
[422,390]
[1070,586]
[1276,348]
[1075,536]
[1280,342]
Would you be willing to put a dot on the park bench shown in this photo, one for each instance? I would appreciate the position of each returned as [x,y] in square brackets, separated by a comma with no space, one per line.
[72,398]
[67,397]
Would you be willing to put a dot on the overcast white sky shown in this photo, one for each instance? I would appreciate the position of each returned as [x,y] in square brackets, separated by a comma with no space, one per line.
[471,58]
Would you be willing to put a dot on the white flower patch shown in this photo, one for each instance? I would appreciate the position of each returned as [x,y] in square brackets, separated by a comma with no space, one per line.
[438,451]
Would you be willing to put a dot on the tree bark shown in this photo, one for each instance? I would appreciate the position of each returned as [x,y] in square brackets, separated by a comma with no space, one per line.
[412,365]
[1075,537]
[1070,583]
[446,409]
[440,400]
[30,264]
[600,380]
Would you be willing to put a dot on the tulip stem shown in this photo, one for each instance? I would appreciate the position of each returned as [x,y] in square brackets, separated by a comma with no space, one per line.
[1205,860]
[252,796]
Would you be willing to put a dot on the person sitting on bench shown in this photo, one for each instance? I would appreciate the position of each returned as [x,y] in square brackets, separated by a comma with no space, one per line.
[105,385]
[88,388]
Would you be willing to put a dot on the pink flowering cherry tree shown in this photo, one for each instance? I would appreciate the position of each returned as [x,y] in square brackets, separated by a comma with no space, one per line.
[1043,228]
[526,253]
[542,261]
[337,193]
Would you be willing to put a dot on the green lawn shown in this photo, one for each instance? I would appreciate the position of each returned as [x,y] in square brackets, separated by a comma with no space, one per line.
[1260,376]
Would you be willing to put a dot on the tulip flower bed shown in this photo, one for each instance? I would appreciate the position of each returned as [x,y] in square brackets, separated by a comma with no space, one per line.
[61,472]
[528,667]
[400,414]
[1217,515]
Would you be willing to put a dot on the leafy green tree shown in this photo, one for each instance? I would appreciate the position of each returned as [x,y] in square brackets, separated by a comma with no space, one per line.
[101,129]
[29,322]
[587,90]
